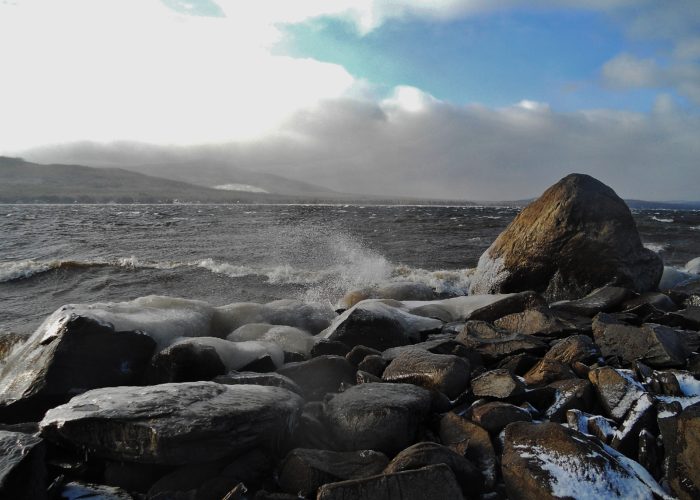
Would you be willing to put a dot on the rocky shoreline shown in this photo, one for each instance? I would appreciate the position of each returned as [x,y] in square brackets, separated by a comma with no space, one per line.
[571,371]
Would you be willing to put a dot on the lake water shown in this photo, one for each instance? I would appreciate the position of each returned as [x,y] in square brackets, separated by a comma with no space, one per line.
[52,255]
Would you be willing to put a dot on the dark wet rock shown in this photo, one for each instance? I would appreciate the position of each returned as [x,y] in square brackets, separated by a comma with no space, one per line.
[595,425]
[435,481]
[320,375]
[436,346]
[185,362]
[570,394]
[22,469]
[174,424]
[262,364]
[428,453]
[686,294]
[363,377]
[642,414]
[88,491]
[694,364]
[312,431]
[664,383]
[548,370]
[442,372]
[472,442]
[656,345]
[544,322]
[383,417]
[498,384]
[401,290]
[212,480]
[658,300]
[305,470]
[360,352]
[494,344]
[325,347]
[578,236]
[649,453]
[604,299]
[67,356]
[496,415]
[130,476]
[547,461]
[374,364]
[518,364]
[9,341]
[574,348]
[683,453]
[376,324]
[254,378]
[688,318]
[617,390]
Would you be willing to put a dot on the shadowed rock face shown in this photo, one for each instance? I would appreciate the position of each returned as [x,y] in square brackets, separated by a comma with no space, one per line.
[174,424]
[578,236]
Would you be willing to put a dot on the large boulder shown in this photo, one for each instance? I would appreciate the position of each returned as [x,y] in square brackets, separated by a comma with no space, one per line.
[383,417]
[174,424]
[548,461]
[67,355]
[578,236]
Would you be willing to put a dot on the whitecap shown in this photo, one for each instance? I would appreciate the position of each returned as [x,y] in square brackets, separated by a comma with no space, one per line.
[660,219]
[656,247]
[21,269]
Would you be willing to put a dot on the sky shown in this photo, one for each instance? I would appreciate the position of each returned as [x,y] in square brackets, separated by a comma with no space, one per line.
[460,99]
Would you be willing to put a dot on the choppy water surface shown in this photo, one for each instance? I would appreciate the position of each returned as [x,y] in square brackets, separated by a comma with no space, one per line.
[56,254]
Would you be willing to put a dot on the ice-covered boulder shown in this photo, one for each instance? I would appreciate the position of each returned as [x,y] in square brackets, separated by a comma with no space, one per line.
[320,375]
[174,424]
[69,354]
[162,318]
[379,324]
[486,307]
[203,358]
[578,236]
[400,290]
[551,461]
[288,338]
[309,316]
[693,266]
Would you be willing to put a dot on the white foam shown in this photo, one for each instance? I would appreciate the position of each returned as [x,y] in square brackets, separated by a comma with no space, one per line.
[660,219]
[655,247]
[21,269]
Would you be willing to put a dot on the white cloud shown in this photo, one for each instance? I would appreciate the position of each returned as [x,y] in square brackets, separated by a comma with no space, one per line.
[135,70]
[443,150]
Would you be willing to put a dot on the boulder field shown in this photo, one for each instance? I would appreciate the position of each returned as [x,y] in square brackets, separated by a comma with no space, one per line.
[567,373]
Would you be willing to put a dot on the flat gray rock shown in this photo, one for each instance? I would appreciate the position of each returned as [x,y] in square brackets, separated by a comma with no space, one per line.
[174,424]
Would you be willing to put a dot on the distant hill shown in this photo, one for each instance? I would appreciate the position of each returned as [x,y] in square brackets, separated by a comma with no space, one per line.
[25,182]
[211,174]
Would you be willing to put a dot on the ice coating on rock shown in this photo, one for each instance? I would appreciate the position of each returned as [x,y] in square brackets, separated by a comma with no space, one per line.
[458,308]
[693,266]
[309,316]
[672,277]
[288,338]
[162,318]
[236,355]
[411,324]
